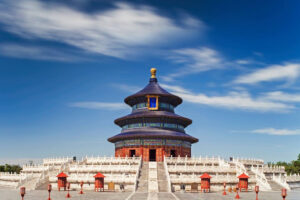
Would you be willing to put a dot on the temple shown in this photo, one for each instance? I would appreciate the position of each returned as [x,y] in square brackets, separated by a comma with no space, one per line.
[152,130]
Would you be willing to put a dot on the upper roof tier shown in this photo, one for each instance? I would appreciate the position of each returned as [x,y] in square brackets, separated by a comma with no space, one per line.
[153,88]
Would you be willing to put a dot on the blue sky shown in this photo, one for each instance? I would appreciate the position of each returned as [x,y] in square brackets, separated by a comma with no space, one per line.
[65,68]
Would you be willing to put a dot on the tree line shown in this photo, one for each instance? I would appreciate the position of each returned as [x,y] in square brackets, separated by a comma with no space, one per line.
[292,167]
[10,168]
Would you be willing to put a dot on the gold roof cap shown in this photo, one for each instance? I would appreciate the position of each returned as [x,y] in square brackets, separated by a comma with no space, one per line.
[153,72]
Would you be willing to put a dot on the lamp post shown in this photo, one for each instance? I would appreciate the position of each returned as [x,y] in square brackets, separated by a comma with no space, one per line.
[256,191]
[81,185]
[237,192]
[283,193]
[49,190]
[224,184]
[22,192]
[68,187]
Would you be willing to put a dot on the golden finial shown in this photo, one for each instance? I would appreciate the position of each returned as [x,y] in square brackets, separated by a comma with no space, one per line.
[153,72]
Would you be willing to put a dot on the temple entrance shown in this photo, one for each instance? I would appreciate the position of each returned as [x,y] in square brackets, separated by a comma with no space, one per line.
[132,153]
[173,153]
[152,155]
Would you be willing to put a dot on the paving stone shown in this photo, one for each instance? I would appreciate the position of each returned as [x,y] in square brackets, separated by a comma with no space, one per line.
[10,194]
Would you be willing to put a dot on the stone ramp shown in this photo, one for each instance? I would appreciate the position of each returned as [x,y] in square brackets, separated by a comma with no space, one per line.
[275,186]
[142,184]
[162,178]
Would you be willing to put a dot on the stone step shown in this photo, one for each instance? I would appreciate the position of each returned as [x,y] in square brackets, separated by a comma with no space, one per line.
[153,179]
[162,178]
[30,185]
[275,186]
[142,183]
[43,186]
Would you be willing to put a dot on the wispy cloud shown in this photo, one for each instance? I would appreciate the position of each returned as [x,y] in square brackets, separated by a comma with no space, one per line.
[99,105]
[282,96]
[244,61]
[233,100]
[288,72]
[273,131]
[127,88]
[194,60]
[256,53]
[118,31]
[39,53]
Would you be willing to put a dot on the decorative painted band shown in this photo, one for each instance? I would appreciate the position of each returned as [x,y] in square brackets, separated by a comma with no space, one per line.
[152,142]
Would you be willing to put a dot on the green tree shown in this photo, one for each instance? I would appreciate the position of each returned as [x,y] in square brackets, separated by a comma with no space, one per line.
[292,167]
[10,168]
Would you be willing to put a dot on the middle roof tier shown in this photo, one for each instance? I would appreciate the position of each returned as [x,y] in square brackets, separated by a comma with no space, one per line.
[147,116]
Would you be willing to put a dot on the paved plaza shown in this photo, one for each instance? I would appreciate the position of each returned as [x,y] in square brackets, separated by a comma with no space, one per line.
[9,194]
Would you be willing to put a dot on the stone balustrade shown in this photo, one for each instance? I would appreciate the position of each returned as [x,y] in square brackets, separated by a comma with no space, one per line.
[273,169]
[103,168]
[249,161]
[200,169]
[293,178]
[112,160]
[56,161]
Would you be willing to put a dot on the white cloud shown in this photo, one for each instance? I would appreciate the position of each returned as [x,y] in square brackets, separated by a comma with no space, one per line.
[38,53]
[288,71]
[127,88]
[233,100]
[99,105]
[118,31]
[273,131]
[282,96]
[244,61]
[195,60]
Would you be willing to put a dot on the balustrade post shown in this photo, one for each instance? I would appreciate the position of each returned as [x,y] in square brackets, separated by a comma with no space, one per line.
[49,191]
[237,192]
[68,187]
[81,185]
[256,191]
[22,192]
[283,193]
[224,184]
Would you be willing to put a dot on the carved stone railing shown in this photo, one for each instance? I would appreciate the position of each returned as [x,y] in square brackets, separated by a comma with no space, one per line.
[137,174]
[167,175]
[261,179]
[281,180]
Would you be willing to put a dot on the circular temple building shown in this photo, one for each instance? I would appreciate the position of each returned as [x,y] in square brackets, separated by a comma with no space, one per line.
[153,130]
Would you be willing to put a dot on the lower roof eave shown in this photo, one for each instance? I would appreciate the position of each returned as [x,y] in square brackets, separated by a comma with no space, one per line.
[124,137]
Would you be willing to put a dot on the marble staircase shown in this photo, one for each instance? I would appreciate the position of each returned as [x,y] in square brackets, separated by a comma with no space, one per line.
[142,185]
[275,186]
[162,179]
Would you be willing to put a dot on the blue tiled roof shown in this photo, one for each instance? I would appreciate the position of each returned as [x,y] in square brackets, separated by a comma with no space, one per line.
[152,133]
[153,88]
[147,114]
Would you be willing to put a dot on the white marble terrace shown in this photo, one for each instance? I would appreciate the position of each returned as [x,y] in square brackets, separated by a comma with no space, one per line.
[179,170]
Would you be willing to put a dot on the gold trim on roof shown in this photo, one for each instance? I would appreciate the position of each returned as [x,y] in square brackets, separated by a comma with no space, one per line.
[153,72]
